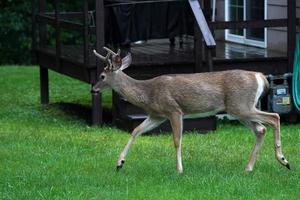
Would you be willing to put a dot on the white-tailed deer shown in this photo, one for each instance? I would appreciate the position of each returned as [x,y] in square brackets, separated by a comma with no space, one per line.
[178,96]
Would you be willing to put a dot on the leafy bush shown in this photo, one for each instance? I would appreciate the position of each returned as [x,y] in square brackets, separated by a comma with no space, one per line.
[15,32]
[15,29]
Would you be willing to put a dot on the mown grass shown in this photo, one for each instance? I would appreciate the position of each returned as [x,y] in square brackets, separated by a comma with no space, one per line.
[51,152]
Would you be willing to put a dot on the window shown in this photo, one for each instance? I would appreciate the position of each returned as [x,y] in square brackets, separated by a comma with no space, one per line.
[239,10]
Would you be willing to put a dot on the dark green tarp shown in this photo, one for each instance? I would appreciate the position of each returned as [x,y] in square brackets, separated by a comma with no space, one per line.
[133,22]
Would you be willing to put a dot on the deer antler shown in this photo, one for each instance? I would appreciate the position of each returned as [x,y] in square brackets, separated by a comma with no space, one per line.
[110,51]
[107,55]
[107,59]
[101,57]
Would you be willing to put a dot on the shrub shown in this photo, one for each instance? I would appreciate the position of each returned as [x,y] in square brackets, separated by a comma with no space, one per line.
[15,32]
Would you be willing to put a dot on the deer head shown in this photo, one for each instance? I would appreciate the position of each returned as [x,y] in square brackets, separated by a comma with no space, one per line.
[114,64]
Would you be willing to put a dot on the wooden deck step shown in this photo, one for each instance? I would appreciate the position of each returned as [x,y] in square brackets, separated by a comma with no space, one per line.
[202,125]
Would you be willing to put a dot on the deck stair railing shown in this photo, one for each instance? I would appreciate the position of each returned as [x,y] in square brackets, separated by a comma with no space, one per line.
[202,25]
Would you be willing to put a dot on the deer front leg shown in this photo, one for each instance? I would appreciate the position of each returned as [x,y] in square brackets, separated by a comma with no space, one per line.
[176,123]
[147,125]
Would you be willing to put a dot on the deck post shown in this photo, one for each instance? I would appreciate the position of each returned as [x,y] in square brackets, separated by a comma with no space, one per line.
[97,110]
[198,49]
[42,27]
[209,58]
[44,77]
[100,39]
[209,51]
[44,85]
[86,48]
[57,34]
[33,32]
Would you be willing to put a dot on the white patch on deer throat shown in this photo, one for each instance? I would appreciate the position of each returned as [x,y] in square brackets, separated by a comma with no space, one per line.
[260,88]
[201,115]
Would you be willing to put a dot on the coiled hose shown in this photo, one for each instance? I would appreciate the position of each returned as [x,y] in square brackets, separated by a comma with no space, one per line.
[296,75]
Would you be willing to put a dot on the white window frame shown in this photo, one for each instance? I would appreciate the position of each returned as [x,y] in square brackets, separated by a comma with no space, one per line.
[242,39]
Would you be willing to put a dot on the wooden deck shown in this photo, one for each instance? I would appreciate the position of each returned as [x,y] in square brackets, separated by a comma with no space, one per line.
[159,55]
[156,57]
[229,50]
[160,52]
[224,50]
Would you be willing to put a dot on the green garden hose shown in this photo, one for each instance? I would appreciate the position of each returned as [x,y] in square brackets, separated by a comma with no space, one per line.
[296,75]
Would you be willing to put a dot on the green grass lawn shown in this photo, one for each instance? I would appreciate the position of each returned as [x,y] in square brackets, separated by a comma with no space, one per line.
[51,152]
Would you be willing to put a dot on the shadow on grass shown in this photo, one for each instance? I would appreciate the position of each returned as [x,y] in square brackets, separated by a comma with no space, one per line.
[80,112]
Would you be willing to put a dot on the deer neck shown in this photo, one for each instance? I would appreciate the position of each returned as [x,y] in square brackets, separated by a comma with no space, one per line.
[133,90]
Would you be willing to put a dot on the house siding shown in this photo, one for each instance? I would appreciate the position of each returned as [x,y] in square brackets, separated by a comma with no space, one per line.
[277,37]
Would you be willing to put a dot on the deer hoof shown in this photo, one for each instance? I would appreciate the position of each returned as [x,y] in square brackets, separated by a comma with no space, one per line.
[120,165]
[248,169]
[288,166]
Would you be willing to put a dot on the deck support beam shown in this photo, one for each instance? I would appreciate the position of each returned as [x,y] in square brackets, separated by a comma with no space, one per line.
[57,35]
[44,77]
[44,85]
[198,49]
[97,110]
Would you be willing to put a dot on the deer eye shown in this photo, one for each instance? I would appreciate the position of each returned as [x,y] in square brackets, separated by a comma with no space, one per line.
[102,77]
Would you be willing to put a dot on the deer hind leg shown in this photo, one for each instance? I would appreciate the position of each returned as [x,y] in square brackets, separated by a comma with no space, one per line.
[147,125]
[273,120]
[177,125]
[259,131]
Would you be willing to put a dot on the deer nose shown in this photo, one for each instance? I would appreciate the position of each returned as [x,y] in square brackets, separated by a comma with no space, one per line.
[95,89]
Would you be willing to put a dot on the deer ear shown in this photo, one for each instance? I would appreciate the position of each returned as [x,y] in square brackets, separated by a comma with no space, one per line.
[126,61]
